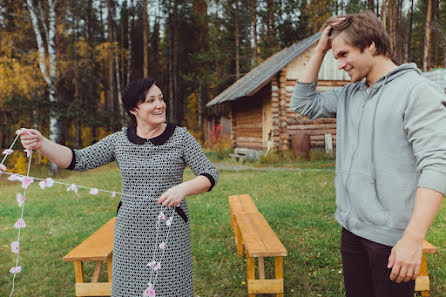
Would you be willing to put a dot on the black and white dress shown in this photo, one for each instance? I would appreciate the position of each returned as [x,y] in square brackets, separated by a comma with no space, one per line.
[148,169]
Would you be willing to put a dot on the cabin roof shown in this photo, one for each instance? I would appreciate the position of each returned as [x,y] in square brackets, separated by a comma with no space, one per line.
[249,84]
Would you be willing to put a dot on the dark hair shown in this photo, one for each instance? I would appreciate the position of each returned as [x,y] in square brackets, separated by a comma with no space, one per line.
[360,30]
[135,93]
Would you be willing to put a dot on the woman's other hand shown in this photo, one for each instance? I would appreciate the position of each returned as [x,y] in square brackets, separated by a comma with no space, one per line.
[2,168]
[173,196]
[30,138]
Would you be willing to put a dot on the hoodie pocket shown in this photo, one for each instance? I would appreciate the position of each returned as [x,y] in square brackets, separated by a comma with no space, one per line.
[364,201]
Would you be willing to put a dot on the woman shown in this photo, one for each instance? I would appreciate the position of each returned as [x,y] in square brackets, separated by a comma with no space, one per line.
[151,157]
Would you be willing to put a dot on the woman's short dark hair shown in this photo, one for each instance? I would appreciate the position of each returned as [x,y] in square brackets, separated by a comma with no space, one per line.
[135,93]
[360,30]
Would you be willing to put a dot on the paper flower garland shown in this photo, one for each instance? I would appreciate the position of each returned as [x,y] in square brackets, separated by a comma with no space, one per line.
[155,266]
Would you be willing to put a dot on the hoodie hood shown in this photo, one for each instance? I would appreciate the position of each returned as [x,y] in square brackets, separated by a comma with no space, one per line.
[391,75]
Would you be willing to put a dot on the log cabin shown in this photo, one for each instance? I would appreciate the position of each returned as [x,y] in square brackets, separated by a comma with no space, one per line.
[259,101]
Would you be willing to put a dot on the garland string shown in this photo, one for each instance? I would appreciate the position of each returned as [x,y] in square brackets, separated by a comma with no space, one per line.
[27,180]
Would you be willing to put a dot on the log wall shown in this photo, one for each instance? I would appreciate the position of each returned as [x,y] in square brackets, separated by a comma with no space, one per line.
[247,123]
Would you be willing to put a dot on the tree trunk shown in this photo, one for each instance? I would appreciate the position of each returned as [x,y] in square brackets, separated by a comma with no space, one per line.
[111,64]
[176,43]
[377,8]
[171,20]
[371,5]
[77,97]
[436,25]
[409,43]
[427,38]
[49,75]
[145,41]
[383,12]
[392,27]
[131,27]
[254,12]
[237,43]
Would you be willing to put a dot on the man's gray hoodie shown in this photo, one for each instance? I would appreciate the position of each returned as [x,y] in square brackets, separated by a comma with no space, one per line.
[388,142]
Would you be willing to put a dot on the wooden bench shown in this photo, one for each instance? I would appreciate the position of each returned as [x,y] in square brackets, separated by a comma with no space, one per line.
[98,247]
[422,283]
[254,235]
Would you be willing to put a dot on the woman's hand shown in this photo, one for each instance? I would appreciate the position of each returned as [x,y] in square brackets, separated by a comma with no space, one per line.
[173,196]
[2,168]
[31,139]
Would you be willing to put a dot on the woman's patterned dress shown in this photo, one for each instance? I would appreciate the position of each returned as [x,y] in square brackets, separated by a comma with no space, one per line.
[148,169]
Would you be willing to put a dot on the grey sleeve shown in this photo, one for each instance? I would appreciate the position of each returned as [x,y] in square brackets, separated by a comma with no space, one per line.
[308,102]
[425,125]
[197,160]
[98,154]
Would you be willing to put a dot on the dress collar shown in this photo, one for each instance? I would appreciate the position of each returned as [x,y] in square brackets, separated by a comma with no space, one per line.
[159,140]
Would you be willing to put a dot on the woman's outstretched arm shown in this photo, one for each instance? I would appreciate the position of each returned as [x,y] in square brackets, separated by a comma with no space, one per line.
[56,153]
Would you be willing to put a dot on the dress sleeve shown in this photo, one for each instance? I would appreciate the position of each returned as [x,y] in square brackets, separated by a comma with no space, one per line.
[308,102]
[98,154]
[194,157]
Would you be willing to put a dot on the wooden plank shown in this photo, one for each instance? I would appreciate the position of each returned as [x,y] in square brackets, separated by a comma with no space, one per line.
[250,236]
[266,286]
[242,203]
[258,237]
[78,272]
[423,266]
[97,272]
[268,236]
[96,247]
[279,271]
[250,271]
[93,289]
[109,267]
[422,283]
[428,247]
[261,261]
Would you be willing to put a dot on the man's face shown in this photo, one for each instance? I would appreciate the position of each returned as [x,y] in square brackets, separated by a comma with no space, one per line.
[350,59]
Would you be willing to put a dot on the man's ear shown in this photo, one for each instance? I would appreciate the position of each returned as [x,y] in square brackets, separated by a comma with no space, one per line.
[372,48]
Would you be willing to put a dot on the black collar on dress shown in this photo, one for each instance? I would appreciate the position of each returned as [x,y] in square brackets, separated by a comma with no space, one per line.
[159,140]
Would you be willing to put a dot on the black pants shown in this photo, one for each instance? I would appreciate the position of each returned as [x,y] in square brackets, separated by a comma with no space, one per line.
[365,269]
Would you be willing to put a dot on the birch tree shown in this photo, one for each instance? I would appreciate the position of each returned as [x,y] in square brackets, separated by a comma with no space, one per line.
[48,72]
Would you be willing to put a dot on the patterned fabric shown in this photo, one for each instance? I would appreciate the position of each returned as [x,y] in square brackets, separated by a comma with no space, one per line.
[148,169]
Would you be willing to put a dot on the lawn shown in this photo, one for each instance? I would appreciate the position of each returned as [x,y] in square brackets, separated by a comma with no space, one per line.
[298,205]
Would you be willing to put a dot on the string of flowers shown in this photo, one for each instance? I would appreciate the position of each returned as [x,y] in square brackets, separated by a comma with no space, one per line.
[155,265]
[27,180]
[21,198]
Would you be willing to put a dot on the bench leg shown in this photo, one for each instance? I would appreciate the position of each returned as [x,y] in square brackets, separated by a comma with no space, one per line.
[238,240]
[423,272]
[78,272]
[109,267]
[279,271]
[250,264]
[261,267]
[97,272]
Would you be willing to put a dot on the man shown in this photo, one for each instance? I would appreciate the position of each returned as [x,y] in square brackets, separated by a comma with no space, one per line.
[390,154]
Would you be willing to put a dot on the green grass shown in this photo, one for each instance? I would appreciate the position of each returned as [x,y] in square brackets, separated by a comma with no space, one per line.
[299,206]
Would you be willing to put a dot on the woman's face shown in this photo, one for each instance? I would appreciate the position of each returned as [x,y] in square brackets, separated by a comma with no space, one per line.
[153,110]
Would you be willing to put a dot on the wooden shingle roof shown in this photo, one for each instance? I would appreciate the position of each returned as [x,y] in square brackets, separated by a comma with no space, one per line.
[249,84]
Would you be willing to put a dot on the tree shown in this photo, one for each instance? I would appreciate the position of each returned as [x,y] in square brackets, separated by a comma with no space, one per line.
[145,36]
[48,73]
[427,40]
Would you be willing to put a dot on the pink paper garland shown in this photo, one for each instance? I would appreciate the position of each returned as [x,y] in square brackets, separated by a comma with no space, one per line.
[27,180]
